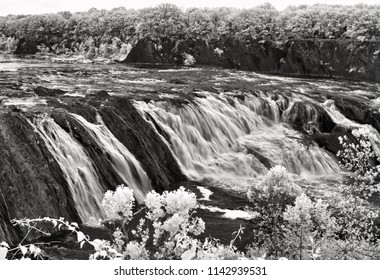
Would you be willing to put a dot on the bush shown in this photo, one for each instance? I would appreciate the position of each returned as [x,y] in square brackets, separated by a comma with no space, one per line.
[269,199]
[167,230]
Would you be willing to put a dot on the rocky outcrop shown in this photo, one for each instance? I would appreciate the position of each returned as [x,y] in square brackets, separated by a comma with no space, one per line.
[323,58]
[43,91]
[147,51]
[309,118]
[347,59]
[333,58]
[358,109]
[330,141]
[26,46]
[32,184]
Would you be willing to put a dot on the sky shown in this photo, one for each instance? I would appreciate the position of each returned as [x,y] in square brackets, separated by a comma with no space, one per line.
[53,6]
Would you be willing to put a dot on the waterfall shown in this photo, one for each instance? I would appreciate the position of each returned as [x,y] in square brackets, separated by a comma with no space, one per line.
[222,136]
[76,166]
[122,161]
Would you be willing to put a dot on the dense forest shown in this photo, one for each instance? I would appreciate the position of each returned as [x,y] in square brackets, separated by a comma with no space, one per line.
[108,32]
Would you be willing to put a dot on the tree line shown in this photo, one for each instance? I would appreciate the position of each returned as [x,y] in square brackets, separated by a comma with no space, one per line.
[108,30]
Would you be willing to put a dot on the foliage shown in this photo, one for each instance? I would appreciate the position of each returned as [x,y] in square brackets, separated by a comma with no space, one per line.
[270,198]
[309,226]
[95,31]
[8,44]
[167,231]
[118,204]
[291,225]
[32,251]
[354,216]
[360,160]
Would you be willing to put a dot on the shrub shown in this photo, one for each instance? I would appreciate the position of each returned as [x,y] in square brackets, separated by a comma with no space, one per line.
[270,199]
[167,231]
[309,225]
[360,159]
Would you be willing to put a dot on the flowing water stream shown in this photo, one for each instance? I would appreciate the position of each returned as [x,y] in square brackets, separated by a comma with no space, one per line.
[215,139]
[122,161]
[76,167]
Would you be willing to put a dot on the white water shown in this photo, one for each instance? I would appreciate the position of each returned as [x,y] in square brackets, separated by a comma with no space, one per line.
[340,119]
[215,138]
[123,162]
[206,193]
[76,167]
[229,214]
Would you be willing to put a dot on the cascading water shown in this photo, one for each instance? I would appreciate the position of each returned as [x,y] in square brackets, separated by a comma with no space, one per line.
[76,166]
[340,119]
[219,137]
[123,162]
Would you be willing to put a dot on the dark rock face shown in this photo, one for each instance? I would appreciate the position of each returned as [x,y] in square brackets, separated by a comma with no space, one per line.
[333,58]
[102,94]
[43,91]
[26,46]
[322,58]
[330,141]
[147,51]
[310,118]
[32,183]
[358,110]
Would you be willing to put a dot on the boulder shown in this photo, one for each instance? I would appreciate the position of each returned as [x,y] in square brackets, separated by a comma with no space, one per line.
[358,110]
[43,91]
[309,118]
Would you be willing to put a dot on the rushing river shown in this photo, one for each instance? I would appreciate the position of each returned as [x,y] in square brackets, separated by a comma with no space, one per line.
[225,128]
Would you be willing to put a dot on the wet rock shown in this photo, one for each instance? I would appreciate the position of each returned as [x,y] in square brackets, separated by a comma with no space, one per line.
[309,118]
[264,160]
[139,138]
[32,184]
[359,110]
[102,94]
[177,82]
[43,91]
[330,141]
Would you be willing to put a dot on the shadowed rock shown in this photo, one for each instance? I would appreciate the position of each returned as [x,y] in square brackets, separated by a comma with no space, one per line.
[32,184]
[359,110]
[43,91]
[102,94]
[310,118]
[26,46]
[319,58]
